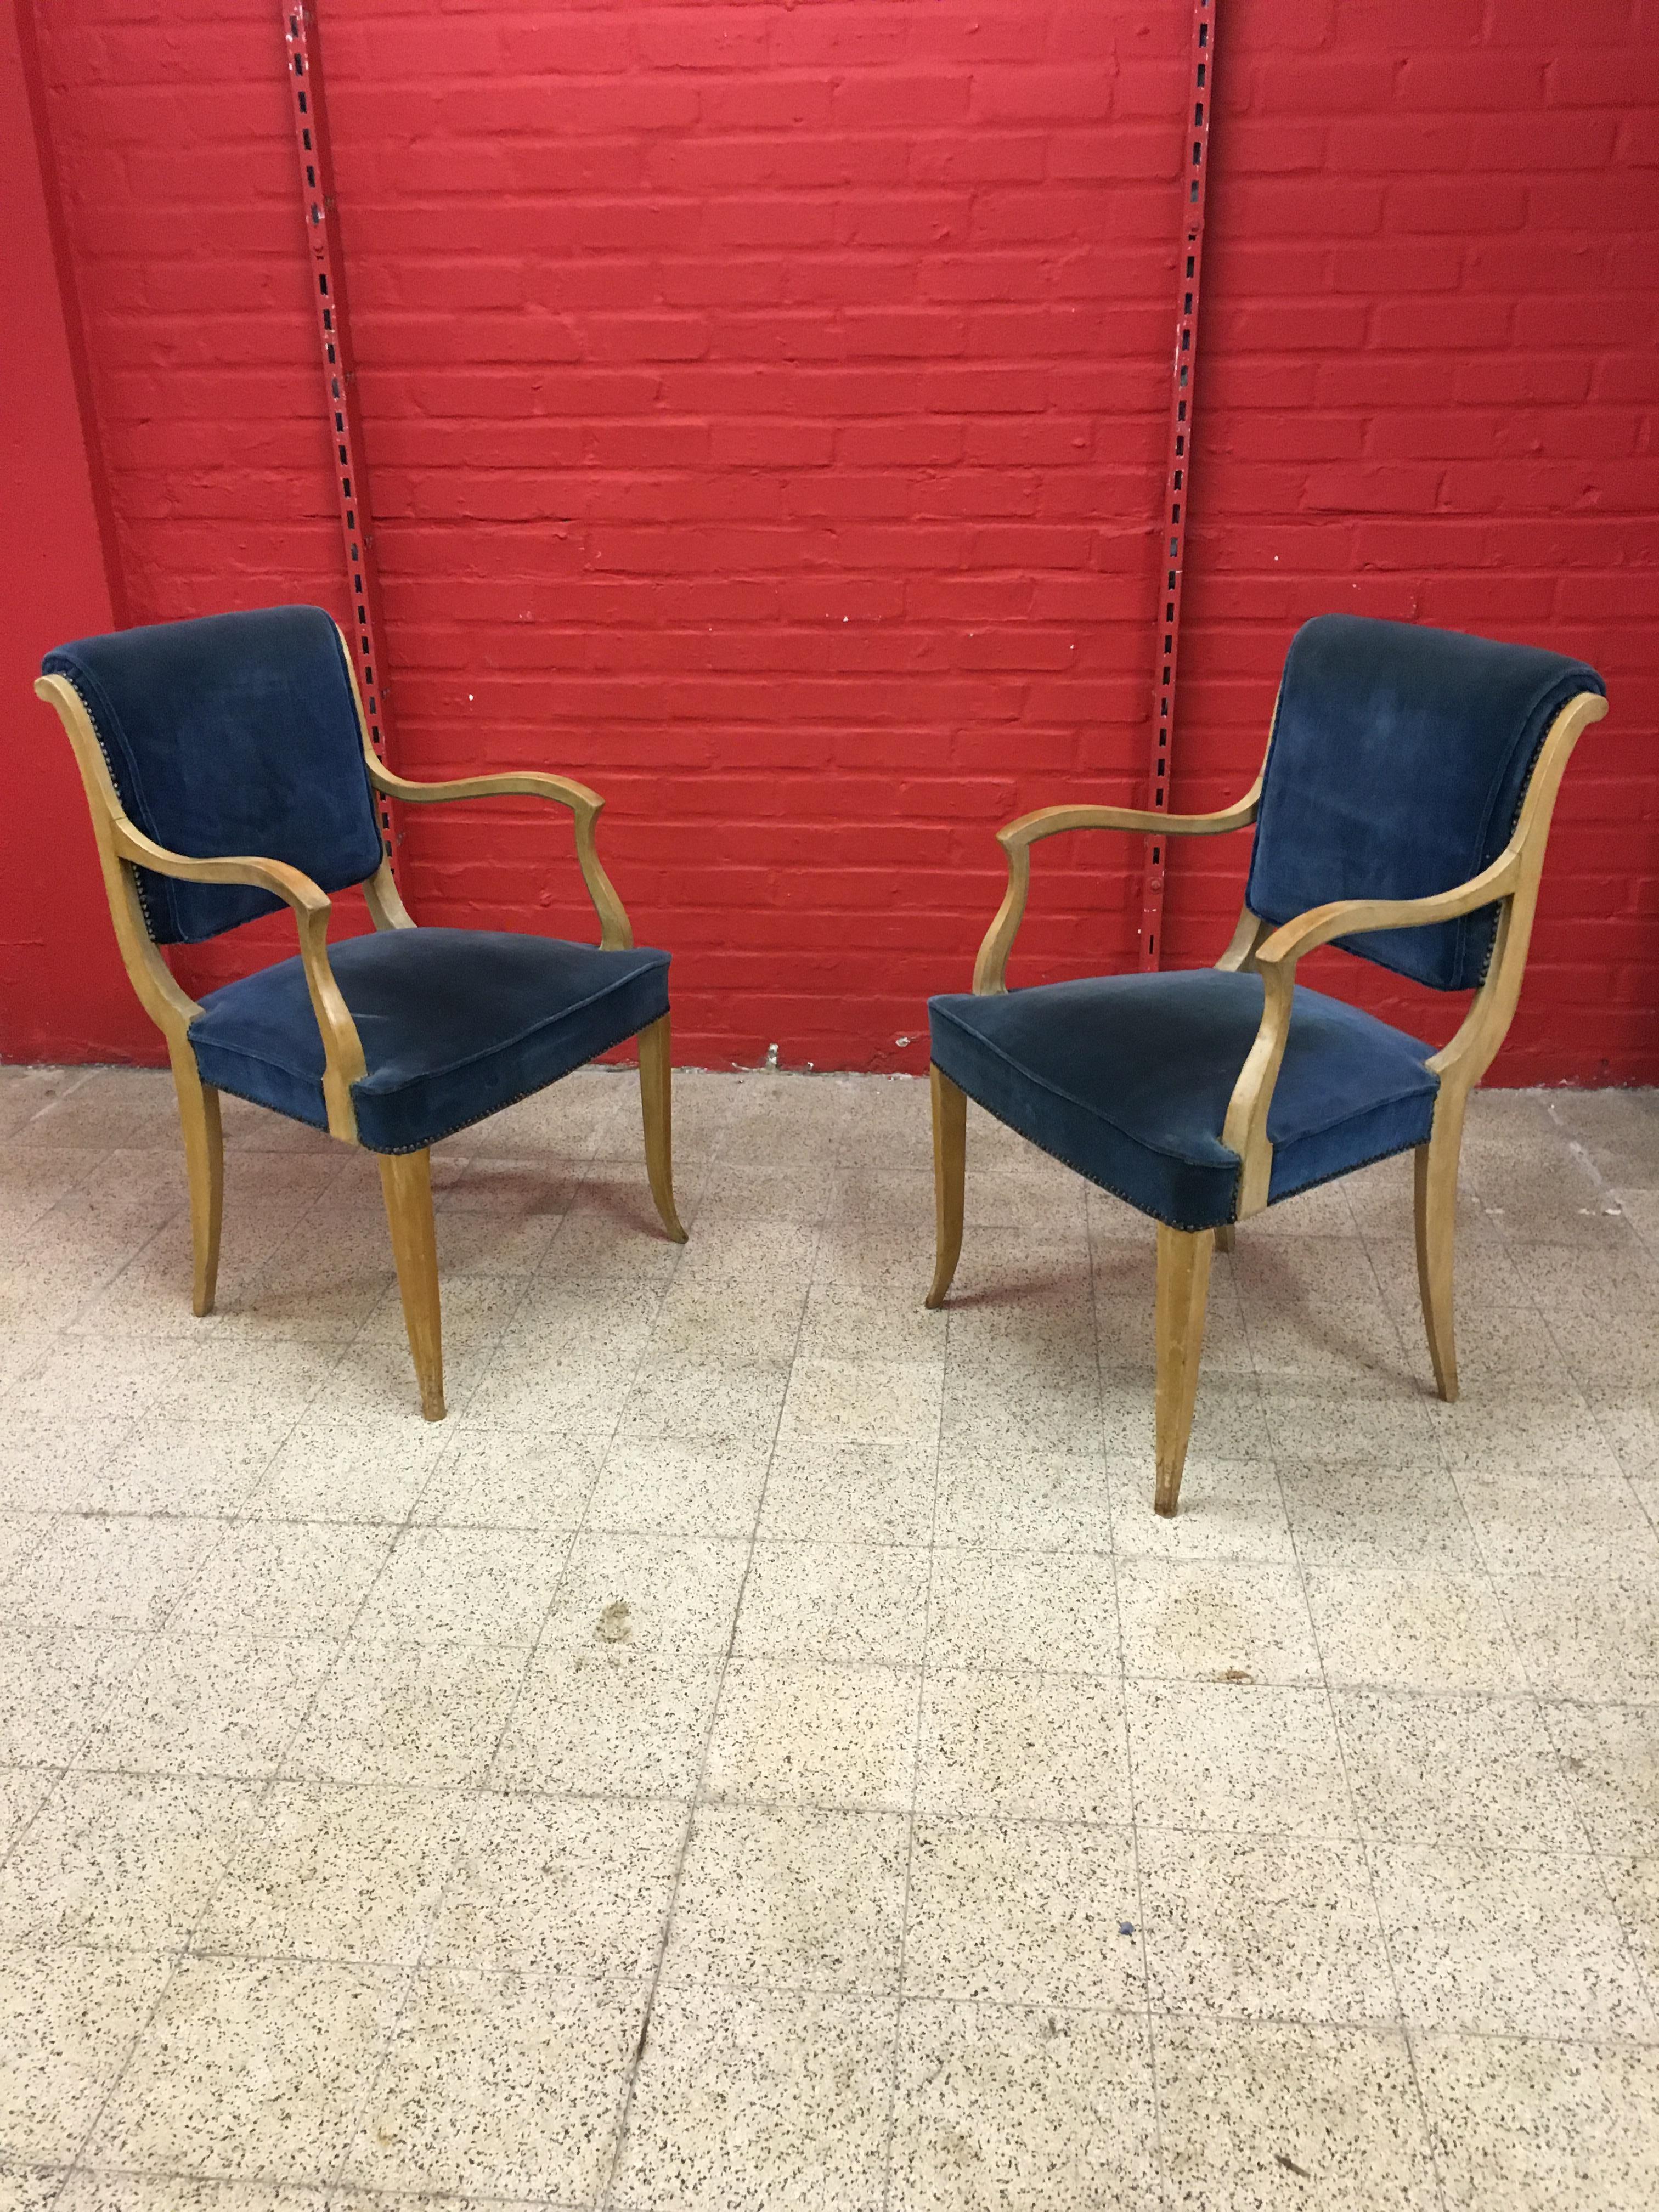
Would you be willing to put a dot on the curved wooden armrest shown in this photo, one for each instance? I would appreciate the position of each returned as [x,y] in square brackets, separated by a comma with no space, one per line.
[528,783]
[1017,837]
[1049,821]
[342,1051]
[615,932]
[1354,917]
[1245,1130]
[282,882]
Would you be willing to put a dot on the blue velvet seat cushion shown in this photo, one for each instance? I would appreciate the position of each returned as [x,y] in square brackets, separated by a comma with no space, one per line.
[1127,1079]
[232,734]
[455,1024]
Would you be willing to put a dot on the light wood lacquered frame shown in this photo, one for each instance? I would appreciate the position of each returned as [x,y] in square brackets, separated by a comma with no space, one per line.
[1184,1255]
[406,1178]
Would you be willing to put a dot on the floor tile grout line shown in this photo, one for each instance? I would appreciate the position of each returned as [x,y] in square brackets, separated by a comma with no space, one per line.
[82,1763]
[1483,1573]
[42,1536]
[1608,1443]
[606,2195]
[674,1532]
[579,1528]
[1270,1443]
[398,2003]
[1245,2016]
[1542,1855]
[918,1762]
[1380,1290]
[82,1078]
[1144,2012]
[324,2194]
[1358,1830]
[1381,1687]
[15,1842]
[418,1966]
[1646,1973]
[1356,1826]
[390,1971]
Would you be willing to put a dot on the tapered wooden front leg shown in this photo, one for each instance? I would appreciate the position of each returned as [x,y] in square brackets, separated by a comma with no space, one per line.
[950,1178]
[1183,1290]
[1437,1216]
[657,1106]
[406,1178]
[1224,1237]
[204,1165]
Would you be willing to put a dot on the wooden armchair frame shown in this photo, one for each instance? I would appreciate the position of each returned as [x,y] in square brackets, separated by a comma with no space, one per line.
[1184,1255]
[406,1178]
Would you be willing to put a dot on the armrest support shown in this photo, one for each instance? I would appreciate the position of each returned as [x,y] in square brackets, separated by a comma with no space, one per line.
[1017,837]
[342,1051]
[1245,1130]
[616,934]
[289,884]
[1049,821]
[1353,917]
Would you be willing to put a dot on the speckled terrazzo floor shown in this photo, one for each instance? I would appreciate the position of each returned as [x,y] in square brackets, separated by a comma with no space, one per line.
[762,1750]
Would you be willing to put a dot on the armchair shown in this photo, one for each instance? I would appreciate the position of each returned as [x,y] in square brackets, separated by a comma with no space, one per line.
[197,738]
[1401,814]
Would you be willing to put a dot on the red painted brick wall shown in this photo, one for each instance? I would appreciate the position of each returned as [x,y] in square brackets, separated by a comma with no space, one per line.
[59,991]
[764,411]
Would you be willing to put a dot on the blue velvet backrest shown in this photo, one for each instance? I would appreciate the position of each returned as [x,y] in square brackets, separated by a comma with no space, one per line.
[235,734]
[1399,760]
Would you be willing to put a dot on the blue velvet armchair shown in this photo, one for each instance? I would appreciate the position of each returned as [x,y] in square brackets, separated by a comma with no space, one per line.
[1401,814]
[229,774]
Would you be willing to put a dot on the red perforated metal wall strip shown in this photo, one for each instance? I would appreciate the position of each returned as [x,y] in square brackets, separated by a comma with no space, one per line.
[1177,474]
[339,371]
